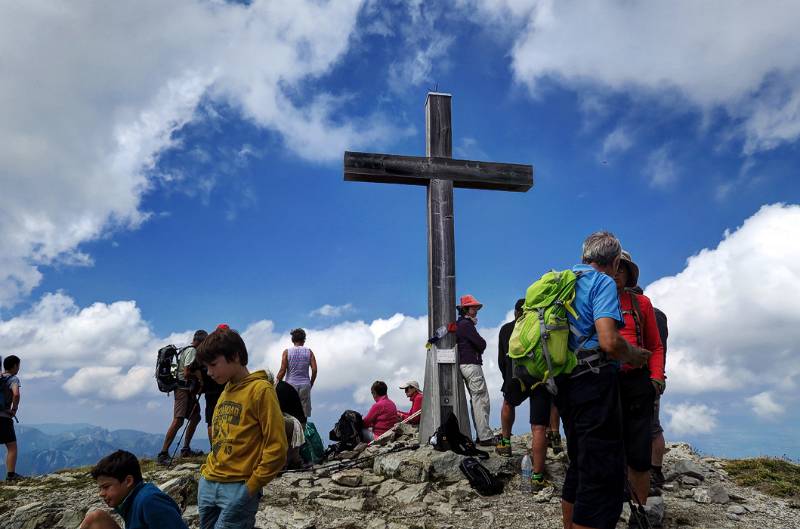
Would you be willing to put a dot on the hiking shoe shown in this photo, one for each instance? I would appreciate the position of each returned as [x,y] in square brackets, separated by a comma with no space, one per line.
[163,458]
[13,476]
[503,449]
[188,452]
[538,485]
[486,442]
[554,442]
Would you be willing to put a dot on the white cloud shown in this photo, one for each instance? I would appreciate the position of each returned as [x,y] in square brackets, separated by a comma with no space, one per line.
[687,418]
[660,168]
[764,405]
[90,103]
[332,311]
[427,44]
[618,141]
[733,311]
[110,382]
[738,56]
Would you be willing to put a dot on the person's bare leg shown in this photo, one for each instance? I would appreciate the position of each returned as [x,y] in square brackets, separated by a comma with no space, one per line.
[99,520]
[566,514]
[507,416]
[172,431]
[554,419]
[657,452]
[187,439]
[11,457]
[640,483]
[538,447]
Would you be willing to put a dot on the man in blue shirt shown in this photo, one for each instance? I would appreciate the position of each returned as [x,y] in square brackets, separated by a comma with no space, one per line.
[141,505]
[588,398]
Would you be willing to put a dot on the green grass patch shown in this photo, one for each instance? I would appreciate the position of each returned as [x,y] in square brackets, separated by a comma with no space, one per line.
[777,477]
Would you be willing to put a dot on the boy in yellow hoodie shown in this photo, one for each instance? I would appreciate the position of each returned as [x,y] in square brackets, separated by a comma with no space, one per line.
[248,444]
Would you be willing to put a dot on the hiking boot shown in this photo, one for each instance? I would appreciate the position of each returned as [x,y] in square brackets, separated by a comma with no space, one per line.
[163,458]
[188,452]
[503,448]
[13,476]
[538,485]
[554,442]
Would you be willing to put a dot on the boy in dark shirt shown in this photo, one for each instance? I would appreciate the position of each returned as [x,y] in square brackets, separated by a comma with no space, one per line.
[141,505]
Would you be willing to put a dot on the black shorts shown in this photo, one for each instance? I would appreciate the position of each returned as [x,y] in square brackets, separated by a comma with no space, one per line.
[540,402]
[7,433]
[637,396]
[211,403]
[590,409]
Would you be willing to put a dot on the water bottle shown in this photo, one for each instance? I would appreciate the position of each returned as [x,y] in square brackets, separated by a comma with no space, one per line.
[526,471]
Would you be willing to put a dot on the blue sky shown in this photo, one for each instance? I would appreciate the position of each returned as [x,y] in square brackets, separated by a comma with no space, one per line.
[171,167]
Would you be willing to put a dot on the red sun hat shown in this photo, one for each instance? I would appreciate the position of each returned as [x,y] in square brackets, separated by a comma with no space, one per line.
[470,301]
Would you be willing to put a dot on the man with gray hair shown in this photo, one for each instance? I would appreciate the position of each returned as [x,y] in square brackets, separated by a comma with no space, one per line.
[588,397]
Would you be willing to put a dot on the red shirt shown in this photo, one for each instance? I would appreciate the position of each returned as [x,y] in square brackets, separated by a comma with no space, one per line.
[382,416]
[416,405]
[651,340]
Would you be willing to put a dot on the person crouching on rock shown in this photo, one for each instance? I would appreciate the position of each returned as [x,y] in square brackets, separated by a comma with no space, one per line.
[141,505]
[415,396]
[382,416]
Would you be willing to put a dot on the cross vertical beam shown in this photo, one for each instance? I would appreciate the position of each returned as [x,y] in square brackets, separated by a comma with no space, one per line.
[443,390]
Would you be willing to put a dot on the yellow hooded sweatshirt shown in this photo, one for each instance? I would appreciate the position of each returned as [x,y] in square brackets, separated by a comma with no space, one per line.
[248,434]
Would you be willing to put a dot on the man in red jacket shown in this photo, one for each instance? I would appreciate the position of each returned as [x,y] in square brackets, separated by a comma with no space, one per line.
[638,386]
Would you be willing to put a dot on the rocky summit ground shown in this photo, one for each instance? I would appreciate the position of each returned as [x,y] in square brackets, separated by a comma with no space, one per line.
[399,487]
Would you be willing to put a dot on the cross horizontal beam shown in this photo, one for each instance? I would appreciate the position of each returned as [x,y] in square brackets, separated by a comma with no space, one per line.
[419,170]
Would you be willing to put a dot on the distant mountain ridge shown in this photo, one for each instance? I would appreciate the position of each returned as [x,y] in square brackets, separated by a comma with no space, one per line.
[46,448]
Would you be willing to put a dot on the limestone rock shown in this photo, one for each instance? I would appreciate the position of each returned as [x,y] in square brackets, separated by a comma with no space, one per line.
[736,509]
[718,494]
[687,467]
[348,478]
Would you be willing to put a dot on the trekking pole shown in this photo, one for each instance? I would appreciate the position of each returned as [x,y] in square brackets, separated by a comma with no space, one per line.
[637,511]
[393,428]
[188,420]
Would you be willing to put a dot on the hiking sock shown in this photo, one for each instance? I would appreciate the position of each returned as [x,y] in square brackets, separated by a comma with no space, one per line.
[505,441]
[537,476]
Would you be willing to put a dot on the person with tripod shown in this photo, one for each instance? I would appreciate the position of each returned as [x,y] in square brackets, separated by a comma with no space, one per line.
[187,404]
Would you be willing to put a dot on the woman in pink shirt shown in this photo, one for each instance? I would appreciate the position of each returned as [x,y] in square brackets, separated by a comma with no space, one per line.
[383,414]
[415,396]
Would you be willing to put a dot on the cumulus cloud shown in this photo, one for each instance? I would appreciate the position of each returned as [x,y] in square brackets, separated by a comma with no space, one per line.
[733,311]
[737,56]
[687,418]
[90,103]
[106,352]
[764,405]
[332,311]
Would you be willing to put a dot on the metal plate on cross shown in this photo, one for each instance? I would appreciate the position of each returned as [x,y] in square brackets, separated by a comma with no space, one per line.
[445,356]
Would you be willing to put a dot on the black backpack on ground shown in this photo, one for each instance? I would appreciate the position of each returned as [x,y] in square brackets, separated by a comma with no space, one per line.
[166,368]
[448,436]
[347,430]
[483,481]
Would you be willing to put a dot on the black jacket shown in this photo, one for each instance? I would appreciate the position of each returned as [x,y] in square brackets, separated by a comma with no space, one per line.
[470,344]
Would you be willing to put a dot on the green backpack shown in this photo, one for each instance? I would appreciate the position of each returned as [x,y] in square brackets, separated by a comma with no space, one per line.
[538,344]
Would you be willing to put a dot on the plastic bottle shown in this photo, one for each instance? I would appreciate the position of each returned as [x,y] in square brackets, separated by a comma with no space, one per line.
[525,474]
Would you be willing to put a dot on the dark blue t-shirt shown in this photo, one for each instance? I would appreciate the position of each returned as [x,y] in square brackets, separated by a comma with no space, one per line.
[147,507]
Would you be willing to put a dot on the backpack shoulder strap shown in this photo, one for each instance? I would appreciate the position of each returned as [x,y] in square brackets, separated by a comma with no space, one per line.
[637,315]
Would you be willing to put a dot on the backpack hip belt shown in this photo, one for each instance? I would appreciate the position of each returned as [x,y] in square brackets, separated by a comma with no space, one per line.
[590,361]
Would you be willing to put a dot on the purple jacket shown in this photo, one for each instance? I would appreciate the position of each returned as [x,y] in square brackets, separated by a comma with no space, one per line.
[469,342]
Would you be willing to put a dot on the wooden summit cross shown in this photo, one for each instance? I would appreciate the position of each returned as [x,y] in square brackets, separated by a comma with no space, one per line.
[444,389]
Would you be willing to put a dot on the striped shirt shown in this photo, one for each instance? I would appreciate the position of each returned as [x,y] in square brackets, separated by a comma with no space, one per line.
[297,374]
